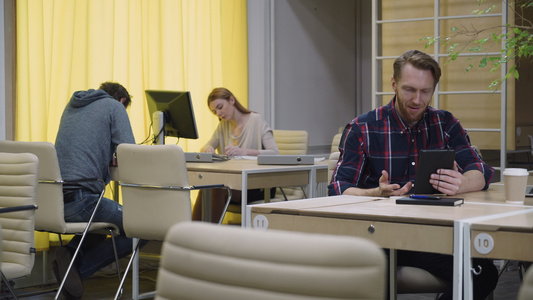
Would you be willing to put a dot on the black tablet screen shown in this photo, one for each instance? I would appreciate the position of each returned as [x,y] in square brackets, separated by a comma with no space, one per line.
[429,162]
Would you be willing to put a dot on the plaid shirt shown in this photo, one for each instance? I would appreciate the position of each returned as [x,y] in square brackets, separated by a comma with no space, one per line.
[380,140]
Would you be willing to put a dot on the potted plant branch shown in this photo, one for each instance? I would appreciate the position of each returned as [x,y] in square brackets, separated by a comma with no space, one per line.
[514,41]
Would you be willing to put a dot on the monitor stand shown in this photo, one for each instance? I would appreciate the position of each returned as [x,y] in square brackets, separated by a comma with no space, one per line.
[158,127]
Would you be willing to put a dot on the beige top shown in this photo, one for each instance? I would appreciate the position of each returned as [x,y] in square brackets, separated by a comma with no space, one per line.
[256,135]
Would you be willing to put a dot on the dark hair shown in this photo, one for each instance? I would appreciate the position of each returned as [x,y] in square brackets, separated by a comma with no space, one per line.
[419,60]
[224,93]
[117,91]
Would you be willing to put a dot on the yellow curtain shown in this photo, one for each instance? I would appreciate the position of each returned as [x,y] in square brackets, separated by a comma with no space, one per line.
[68,45]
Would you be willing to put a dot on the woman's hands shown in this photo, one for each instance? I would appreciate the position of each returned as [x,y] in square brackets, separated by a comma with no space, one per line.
[235,151]
[208,149]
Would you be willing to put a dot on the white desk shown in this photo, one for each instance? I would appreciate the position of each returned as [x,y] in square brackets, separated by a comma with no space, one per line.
[435,229]
[247,174]
[507,235]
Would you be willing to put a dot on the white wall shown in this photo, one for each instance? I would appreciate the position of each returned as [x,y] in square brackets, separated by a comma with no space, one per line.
[7,12]
[306,59]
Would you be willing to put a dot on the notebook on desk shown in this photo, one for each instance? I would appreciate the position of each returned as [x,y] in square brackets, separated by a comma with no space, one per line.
[285,160]
[204,157]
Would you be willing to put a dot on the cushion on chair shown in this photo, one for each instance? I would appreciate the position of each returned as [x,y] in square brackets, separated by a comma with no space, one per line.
[205,261]
[149,212]
[291,142]
[335,142]
[18,185]
[50,216]
[47,217]
[332,162]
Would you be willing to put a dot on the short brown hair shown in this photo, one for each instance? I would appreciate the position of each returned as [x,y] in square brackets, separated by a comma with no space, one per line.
[117,91]
[419,60]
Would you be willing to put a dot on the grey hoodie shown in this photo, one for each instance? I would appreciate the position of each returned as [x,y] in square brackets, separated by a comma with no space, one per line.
[92,125]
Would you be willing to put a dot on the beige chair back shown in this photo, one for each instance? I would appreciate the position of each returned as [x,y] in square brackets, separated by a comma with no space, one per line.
[18,187]
[291,142]
[149,212]
[332,163]
[50,215]
[205,261]
[335,142]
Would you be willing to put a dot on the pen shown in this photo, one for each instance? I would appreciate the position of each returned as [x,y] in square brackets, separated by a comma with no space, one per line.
[235,143]
[425,197]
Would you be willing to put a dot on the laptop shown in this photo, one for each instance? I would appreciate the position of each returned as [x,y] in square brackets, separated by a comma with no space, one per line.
[529,191]
[204,157]
[285,160]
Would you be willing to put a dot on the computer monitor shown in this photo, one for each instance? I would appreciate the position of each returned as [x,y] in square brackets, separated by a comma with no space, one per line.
[177,110]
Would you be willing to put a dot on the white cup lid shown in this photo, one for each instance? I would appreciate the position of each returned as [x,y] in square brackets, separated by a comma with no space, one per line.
[516,172]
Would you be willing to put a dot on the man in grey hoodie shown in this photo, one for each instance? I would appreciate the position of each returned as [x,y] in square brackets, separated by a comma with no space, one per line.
[93,124]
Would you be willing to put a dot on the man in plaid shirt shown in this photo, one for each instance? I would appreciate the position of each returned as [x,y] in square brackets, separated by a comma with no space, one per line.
[379,155]
[379,150]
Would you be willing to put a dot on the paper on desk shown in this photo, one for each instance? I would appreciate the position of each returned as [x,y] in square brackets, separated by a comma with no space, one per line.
[245,157]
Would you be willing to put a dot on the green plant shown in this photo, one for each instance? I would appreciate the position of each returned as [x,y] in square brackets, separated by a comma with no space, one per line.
[513,41]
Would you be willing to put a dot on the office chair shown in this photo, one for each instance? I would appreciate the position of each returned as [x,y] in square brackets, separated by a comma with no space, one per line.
[50,216]
[18,187]
[291,142]
[332,163]
[205,261]
[335,142]
[155,193]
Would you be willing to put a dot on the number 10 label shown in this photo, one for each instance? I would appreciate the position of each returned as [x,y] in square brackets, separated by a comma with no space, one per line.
[483,243]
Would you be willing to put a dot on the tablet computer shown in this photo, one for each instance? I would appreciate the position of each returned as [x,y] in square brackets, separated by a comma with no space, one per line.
[429,161]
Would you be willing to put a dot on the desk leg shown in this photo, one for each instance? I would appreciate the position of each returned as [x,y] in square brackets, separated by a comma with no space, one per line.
[244,198]
[466,263]
[248,220]
[135,273]
[311,187]
[321,190]
[267,195]
[116,192]
[392,274]
[458,258]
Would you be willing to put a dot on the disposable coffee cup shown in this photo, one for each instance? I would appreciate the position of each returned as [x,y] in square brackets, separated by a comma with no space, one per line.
[515,181]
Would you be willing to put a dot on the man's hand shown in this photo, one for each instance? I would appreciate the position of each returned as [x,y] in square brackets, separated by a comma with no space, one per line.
[387,189]
[451,182]
[447,181]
